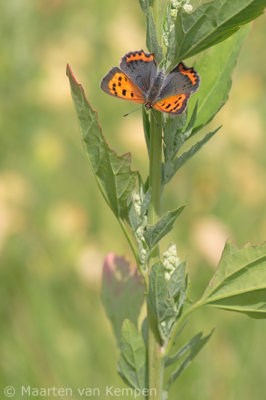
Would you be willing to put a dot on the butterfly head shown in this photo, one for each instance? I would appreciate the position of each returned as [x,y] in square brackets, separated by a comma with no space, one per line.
[148,105]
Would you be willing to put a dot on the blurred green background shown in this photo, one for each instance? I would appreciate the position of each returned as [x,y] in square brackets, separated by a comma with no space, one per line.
[55,228]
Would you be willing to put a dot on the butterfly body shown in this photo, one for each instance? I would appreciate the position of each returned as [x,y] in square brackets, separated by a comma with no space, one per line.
[138,80]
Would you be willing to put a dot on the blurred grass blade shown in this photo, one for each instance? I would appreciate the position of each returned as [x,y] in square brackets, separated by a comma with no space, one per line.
[210,24]
[114,176]
[132,363]
[195,345]
[215,68]
[239,284]
[120,279]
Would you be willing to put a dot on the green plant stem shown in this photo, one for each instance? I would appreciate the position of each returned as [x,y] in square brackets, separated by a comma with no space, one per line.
[155,360]
[155,171]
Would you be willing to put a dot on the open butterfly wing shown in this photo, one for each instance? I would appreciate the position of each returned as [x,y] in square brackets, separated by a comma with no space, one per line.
[180,80]
[117,84]
[173,104]
[140,67]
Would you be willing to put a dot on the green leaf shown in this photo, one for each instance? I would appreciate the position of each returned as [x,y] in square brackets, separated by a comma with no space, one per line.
[166,297]
[114,176]
[154,233]
[177,283]
[151,37]
[195,345]
[183,350]
[192,119]
[132,363]
[120,279]
[158,297]
[173,137]
[210,24]
[239,284]
[145,203]
[179,161]
[147,128]
[133,218]
[215,68]
[144,4]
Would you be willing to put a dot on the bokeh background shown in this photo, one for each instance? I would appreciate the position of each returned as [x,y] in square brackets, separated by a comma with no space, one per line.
[55,228]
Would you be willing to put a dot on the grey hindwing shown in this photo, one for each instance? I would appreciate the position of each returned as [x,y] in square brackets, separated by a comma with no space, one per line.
[141,72]
[177,83]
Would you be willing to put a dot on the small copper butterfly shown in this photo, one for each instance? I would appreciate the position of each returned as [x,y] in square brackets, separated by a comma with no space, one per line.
[139,80]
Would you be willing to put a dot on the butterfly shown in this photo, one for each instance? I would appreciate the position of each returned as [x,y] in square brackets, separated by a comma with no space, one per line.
[138,80]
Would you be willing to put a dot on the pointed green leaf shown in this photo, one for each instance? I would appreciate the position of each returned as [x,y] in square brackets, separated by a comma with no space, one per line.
[215,68]
[179,161]
[133,218]
[146,202]
[177,283]
[158,297]
[239,284]
[183,350]
[114,176]
[195,345]
[173,137]
[159,302]
[154,233]
[192,119]
[210,24]
[132,363]
[144,331]
[151,37]
[120,279]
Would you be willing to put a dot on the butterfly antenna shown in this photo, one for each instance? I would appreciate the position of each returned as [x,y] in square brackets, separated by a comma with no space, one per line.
[130,112]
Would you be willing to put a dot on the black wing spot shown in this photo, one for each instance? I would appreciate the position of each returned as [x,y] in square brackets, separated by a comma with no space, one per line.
[132,94]
[120,78]
[124,92]
[168,105]
[119,83]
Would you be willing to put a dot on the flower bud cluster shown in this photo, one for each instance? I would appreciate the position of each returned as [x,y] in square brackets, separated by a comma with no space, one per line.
[174,6]
[136,202]
[170,261]
[139,234]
